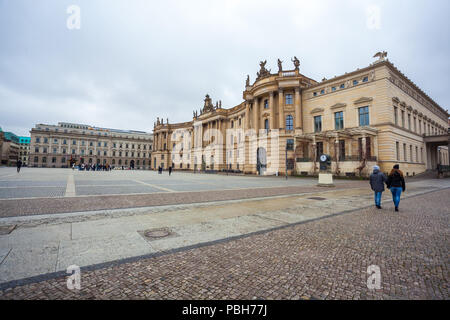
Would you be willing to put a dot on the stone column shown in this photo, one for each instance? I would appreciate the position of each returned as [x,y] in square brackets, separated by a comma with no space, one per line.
[247,115]
[272,112]
[280,109]
[256,115]
[298,107]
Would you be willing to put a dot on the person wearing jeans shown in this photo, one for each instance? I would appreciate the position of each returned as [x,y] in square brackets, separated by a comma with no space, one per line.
[377,180]
[396,183]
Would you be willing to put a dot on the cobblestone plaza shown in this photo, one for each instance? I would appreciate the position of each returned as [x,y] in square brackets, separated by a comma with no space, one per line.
[141,235]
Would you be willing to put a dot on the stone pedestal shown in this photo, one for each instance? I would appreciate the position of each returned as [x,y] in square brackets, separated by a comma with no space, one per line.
[325,180]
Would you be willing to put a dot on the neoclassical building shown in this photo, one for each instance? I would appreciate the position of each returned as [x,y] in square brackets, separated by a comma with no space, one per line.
[57,146]
[373,115]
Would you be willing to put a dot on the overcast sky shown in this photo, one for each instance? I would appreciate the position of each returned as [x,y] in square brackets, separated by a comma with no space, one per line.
[134,60]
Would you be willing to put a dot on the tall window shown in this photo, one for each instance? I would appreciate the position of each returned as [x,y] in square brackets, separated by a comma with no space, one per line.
[319,150]
[410,154]
[396,115]
[409,121]
[363,116]
[397,150]
[415,124]
[339,120]
[289,99]
[341,150]
[403,118]
[290,144]
[266,125]
[289,123]
[317,123]
[417,154]
[266,104]
[405,156]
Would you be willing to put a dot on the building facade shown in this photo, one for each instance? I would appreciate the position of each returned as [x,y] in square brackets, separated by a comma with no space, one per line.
[24,151]
[60,146]
[9,153]
[374,115]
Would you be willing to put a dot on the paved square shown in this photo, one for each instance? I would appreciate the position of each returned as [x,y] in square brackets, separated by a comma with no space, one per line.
[238,237]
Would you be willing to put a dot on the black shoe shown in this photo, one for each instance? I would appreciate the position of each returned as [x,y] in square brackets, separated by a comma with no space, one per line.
[396,208]
[379,207]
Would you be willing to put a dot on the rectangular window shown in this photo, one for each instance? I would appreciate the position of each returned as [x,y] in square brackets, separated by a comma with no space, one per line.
[341,150]
[405,156]
[417,154]
[342,86]
[73,151]
[365,79]
[403,118]
[396,115]
[339,120]
[266,104]
[315,94]
[409,121]
[397,150]
[322,91]
[38,140]
[289,99]
[290,144]
[355,82]
[415,124]
[319,150]
[317,123]
[333,89]
[410,154]
[363,116]
[289,123]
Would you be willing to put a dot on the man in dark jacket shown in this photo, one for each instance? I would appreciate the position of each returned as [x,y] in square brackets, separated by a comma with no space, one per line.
[19,165]
[396,183]
[377,180]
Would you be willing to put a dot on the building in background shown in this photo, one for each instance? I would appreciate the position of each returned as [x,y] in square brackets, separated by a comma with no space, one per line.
[24,152]
[9,153]
[374,115]
[60,146]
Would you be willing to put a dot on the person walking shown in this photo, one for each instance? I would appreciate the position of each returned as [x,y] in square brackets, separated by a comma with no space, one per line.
[396,183]
[19,165]
[377,180]
[170,171]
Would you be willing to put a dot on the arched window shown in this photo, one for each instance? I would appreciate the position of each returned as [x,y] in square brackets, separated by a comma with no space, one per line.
[289,123]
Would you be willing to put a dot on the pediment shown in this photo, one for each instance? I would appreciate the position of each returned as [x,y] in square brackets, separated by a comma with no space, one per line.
[395,99]
[316,110]
[363,100]
[338,105]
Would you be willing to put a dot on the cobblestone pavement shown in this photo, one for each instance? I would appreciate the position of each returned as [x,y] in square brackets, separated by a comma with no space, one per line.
[324,259]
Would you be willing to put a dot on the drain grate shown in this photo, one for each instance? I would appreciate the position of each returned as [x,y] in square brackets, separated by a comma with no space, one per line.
[317,198]
[155,234]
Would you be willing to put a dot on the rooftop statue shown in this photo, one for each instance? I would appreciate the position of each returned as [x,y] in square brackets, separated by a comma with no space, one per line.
[247,82]
[263,72]
[280,66]
[208,106]
[381,55]
[296,63]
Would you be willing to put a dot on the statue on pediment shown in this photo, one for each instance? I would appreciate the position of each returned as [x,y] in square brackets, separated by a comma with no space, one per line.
[381,55]
[263,72]
[208,106]
[247,82]
[296,63]
[280,66]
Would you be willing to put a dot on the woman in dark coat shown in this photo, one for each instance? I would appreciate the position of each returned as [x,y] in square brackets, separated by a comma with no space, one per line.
[396,183]
[377,180]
